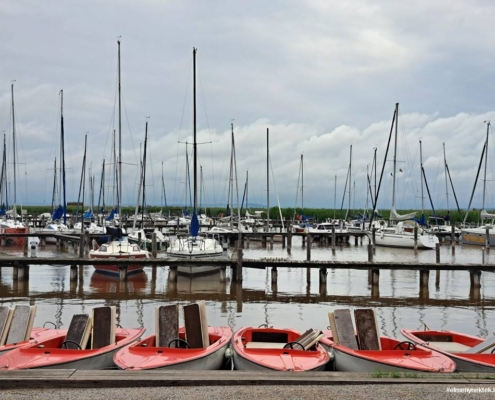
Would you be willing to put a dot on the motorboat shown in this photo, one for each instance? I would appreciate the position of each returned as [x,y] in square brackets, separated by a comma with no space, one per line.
[143,237]
[364,350]
[173,348]
[118,249]
[470,353]
[272,349]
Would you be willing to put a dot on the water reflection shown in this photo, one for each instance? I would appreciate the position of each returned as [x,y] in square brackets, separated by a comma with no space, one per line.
[294,299]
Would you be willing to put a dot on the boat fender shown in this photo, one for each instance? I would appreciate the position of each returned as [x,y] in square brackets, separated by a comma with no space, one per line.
[95,245]
[229,352]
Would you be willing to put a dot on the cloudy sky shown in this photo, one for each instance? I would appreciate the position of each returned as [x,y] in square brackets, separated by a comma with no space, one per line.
[321,75]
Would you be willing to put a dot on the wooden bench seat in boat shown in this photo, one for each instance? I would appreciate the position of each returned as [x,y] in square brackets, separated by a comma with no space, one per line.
[486,346]
[307,340]
[450,347]
[342,328]
[367,329]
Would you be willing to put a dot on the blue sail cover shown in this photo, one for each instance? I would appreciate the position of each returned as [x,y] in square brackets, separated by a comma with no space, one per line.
[3,210]
[421,221]
[194,225]
[58,213]
[88,215]
[111,216]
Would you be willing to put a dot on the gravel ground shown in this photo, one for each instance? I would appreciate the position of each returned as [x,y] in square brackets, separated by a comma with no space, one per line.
[289,392]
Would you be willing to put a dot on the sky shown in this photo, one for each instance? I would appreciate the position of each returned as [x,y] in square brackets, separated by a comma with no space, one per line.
[322,76]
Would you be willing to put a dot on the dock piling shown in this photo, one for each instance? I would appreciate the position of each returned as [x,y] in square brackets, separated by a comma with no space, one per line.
[437,252]
[424,277]
[475,276]
[308,248]
[73,273]
[154,251]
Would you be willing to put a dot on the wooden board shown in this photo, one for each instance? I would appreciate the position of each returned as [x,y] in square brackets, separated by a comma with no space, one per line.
[488,344]
[367,331]
[192,324]
[342,328]
[19,325]
[78,332]
[204,323]
[166,324]
[30,322]
[103,327]
[5,320]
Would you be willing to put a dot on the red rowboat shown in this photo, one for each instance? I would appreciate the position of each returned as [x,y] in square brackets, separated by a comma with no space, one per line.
[145,355]
[393,356]
[470,353]
[262,349]
[37,335]
[50,354]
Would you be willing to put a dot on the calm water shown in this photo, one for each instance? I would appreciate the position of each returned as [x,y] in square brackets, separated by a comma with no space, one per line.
[294,302]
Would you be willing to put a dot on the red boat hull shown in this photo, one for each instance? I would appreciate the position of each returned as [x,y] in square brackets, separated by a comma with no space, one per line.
[114,269]
[271,355]
[144,354]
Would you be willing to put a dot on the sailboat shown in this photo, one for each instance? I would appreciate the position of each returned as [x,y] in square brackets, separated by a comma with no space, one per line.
[118,247]
[13,225]
[58,221]
[399,232]
[192,245]
[478,235]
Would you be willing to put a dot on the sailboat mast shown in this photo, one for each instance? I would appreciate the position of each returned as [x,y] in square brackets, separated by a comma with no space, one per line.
[302,183]
[13,145]
[350,182]
[247,187]
[54,192]
[194,133]
[446,180]
[119,189]
[335,197]
[144,174]
[486,161]
[267,180]
[62,153]
[231,184]
[421,172]
[395,153]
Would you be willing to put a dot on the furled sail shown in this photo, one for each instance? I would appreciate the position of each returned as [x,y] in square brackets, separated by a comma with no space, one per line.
[395,216]
[487,215]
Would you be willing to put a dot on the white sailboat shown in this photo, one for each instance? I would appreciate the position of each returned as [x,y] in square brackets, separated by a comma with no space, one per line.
[399,232]
[192,245]
[119,247]
[478,235]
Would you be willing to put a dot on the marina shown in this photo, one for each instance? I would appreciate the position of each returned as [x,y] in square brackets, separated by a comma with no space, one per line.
[400,299]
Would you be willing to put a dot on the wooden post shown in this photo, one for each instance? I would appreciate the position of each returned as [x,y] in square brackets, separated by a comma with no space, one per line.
[289,240]
[303,240]
[239,266]
[437,278]
[172,274]
[26,244]
[334,238]
[487,240]
[355,241]
[86,242]
[424,276]
[370,253]
[437,252]
[274,275]
[475,276]
[375,277]
[123,273]
[223,274]
[263,241]
[15,273]
[154,251]
[323,276]
[452,237]
[283,241]
[81,245]
[373,239]
[415,238]
[73,273]
[308,248]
